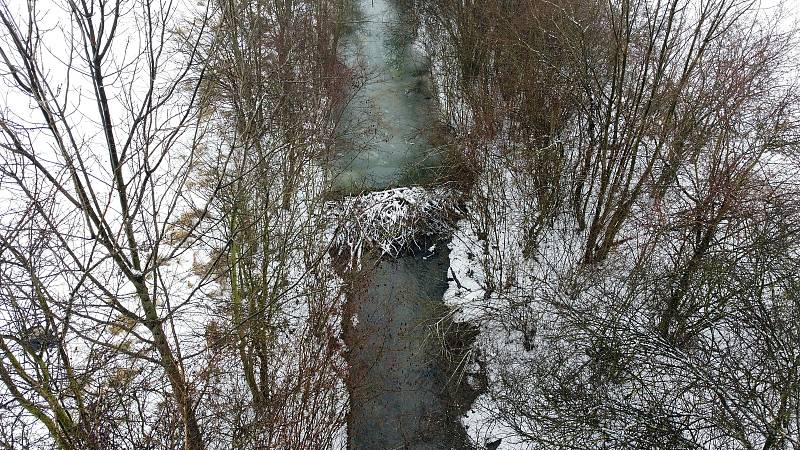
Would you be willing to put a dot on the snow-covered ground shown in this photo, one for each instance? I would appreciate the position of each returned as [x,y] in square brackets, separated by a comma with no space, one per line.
[542,313]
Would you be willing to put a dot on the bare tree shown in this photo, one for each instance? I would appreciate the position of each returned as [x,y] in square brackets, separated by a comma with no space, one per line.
[99,135]
[271,81]
[632,239]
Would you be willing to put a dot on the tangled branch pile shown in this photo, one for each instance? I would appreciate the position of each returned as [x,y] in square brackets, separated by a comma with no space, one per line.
[392,221]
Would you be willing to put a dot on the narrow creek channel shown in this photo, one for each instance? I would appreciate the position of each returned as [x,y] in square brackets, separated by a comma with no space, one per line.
[388,126]
[400,390]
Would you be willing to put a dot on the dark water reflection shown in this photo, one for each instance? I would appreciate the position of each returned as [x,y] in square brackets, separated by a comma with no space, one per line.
[400,392]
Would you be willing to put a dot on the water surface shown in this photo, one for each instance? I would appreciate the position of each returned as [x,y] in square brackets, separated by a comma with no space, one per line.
[400,391]
[386,130]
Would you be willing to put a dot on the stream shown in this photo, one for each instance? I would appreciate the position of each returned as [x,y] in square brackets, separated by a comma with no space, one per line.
[388,127]
[400,391]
